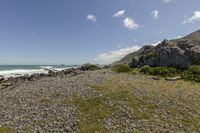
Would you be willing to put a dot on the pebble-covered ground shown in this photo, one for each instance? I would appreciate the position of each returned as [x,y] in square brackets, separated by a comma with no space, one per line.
[100,102]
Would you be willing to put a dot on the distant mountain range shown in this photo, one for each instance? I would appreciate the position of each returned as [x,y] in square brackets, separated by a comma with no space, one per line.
[180,52]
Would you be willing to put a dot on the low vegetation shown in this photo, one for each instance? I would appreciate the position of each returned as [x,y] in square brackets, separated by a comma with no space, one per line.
[90,67]
[159,105]
[120,68]
[6,130]
[92,113]
[192,73]
[160,71]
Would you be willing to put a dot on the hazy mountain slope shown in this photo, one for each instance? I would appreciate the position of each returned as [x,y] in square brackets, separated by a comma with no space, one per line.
[127,58]
[195,37]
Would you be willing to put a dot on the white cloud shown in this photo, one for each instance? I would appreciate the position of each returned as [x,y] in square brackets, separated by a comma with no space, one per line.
[115,55]
[153,44]
[130,24]
[166,1]
[195,17]
[92,18]
[155,14]
[119,13]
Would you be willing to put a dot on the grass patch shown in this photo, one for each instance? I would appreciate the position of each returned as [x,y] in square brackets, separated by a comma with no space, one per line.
[120,68]
[117,91]
[150,100]
[91,114]
[6,130]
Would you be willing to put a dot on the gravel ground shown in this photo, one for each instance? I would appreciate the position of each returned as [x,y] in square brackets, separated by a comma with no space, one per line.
[41,105]
[46,105]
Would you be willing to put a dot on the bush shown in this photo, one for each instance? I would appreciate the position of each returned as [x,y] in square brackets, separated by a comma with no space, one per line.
[146,70]
[121,68]
[195,69]
[161,71]
[192,73]
[90,67]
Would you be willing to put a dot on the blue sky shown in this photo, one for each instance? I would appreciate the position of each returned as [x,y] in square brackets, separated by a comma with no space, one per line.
[80,31]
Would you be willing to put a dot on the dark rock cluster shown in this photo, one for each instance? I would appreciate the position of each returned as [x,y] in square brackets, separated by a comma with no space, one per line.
[33,77]
[167,53]
[180,53]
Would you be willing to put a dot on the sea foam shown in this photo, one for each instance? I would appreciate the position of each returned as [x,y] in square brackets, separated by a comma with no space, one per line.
[17,73]
[21,72]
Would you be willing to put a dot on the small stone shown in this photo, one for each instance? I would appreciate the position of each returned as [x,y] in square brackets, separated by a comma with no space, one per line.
[156,78]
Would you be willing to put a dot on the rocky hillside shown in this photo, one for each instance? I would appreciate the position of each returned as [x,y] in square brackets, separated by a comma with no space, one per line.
[176,53]
[195,36]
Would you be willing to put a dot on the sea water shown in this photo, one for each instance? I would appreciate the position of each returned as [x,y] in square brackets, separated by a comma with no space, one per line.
[7,71]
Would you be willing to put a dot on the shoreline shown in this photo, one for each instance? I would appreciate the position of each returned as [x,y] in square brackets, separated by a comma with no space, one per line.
[7,71]
[35,75]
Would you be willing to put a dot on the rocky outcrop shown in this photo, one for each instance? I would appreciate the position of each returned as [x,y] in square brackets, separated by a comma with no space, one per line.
[176,53]
[36,76]
[181,54]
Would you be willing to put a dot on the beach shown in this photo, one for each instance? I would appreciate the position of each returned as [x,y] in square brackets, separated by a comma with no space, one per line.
[99,101]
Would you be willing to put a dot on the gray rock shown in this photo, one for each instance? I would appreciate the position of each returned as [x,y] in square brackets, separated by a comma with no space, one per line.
[173,78]
[185,44]
[180,55]
[1,87]
[177,53]
[34,76]
[6,84]
[1,79]
[51,73]
[156,78]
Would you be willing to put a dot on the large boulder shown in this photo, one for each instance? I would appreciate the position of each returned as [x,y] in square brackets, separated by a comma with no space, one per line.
[185,44]
[171,56]
[181,55]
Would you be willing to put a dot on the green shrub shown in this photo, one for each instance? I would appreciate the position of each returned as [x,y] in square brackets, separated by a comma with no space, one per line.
[161,71]
[195,69]
[146,69]
[192,73]
[90,67]
[119,68]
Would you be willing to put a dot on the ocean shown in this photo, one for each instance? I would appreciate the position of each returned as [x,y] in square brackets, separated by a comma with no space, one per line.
[7,71]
